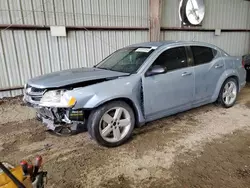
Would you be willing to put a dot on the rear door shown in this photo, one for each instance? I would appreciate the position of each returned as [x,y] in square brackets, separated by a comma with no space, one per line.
[208,67]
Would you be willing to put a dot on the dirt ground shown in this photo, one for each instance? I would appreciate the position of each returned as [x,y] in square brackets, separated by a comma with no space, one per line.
[204,147]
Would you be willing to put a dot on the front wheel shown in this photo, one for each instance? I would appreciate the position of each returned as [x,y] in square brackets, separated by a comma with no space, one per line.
[111,124]
[228,93]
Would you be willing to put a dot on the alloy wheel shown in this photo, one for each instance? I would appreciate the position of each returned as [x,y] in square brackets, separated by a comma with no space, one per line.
[229,93]
[115,124]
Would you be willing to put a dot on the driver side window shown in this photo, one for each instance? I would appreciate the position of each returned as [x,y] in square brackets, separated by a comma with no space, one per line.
[172,59]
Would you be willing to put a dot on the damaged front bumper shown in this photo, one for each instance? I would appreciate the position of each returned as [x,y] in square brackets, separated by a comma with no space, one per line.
[57,118]
[54,117]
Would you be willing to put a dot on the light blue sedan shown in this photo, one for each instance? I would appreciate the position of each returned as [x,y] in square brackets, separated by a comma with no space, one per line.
[135,85]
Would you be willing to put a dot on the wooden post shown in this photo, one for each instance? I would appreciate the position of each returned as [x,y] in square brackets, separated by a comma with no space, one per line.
[155,19]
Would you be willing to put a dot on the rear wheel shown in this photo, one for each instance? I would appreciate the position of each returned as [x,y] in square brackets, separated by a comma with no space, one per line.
[111,124]
[228,93]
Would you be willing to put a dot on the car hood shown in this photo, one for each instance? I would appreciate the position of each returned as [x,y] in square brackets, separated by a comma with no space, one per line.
[72,76]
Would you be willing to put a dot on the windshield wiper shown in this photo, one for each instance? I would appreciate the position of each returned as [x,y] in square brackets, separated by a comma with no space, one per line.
[111,70]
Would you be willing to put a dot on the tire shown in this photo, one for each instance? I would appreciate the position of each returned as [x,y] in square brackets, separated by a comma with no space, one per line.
[123,125]
[222,99]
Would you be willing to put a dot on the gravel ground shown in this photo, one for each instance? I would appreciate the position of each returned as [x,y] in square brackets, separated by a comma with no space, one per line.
[204,147]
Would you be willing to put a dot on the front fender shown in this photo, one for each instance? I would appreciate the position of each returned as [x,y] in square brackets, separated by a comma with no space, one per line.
[228,73]
[95,95]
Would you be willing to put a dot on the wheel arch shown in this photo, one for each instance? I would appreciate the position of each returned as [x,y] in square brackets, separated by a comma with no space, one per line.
[237,81]
[221,81]
[234,77]
[137,109]
[220,99]
[130,103]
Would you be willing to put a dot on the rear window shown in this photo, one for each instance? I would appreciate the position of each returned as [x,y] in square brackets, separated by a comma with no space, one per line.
[202,54]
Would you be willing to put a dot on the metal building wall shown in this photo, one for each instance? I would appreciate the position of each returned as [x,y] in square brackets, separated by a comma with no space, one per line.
[28,53]
[219,14]
[234,43]
[31,53]
[75,12]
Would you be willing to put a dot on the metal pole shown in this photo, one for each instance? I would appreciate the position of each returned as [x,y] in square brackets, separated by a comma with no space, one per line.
[155,18]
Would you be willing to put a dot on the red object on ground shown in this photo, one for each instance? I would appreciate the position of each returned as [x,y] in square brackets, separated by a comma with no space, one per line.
[38,164]
[30,170]
[24,166]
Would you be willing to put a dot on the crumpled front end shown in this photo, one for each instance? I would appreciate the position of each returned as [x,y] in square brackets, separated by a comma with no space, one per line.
[55,110]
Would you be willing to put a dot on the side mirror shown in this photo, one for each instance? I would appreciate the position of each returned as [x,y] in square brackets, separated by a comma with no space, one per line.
[157,69]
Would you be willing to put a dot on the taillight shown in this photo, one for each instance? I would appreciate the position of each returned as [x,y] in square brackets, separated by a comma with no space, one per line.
[243,63]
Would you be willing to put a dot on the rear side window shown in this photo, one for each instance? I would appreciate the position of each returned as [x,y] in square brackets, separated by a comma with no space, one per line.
[202,54]
[214,52]
[174,58]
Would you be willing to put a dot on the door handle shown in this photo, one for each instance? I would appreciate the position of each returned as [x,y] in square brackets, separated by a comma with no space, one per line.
[219,66]
[186,74]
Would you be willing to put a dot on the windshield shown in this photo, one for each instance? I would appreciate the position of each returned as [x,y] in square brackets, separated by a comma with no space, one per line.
[126,60]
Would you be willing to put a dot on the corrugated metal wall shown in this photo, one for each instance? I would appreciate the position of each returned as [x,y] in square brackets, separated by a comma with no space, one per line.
[75,12]
[221,14]
[27,53]
[234,43]
[30,53]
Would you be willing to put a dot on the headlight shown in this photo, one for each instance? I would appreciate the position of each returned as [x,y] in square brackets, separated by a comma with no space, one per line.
[57,98]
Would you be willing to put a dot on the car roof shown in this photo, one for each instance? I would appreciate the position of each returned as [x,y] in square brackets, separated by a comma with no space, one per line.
[169,42]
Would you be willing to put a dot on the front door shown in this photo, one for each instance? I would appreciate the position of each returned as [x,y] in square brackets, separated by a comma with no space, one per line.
[170,92]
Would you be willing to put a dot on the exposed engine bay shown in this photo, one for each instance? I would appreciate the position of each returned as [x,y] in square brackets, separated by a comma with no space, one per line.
[62,121]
